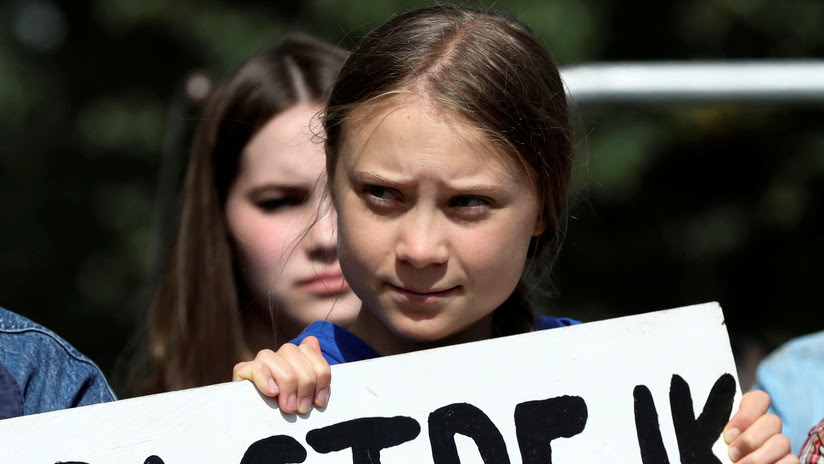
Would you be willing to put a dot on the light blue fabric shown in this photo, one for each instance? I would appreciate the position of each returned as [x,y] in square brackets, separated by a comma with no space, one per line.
[41,372]
[793,375]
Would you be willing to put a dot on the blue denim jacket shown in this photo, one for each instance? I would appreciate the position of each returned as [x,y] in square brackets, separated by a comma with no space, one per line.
[793,375]
[41,372]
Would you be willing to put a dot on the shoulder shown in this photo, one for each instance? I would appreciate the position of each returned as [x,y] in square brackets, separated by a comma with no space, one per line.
[325,333]
[11,322]
[21,336]
[549,322]
[55,375]
[801,354]
[810,345]
[337,344]
[322,330]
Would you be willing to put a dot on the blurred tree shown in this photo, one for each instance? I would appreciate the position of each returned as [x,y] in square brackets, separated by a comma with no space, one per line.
[677,204]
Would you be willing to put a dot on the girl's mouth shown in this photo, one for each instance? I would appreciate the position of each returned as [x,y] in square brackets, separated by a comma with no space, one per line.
[425,296]
[325,284]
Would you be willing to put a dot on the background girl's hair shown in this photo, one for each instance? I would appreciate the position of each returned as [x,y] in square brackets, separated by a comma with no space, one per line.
[195,333]
[487,69]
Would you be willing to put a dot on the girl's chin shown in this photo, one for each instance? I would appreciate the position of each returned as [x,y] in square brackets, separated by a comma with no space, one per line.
[426,337]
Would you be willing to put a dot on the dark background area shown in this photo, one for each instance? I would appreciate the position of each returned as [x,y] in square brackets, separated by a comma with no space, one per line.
[675,203]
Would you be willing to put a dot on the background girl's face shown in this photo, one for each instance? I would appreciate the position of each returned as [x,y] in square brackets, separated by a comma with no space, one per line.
[285,264]
[434,225]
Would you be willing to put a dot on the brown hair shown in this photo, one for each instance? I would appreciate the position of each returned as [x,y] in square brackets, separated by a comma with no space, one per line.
[489,70]
[195,335]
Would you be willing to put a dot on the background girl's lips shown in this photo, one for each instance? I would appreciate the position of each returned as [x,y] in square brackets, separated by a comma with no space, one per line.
[323,284]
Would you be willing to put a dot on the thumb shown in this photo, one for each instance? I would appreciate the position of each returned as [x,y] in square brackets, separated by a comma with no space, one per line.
[311,341]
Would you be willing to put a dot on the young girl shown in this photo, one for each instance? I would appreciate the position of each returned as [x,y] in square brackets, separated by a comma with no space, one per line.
[448,155]
[244,273]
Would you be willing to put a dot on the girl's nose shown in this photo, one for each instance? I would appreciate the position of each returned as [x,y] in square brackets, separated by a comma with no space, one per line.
[422,240]
[321,238]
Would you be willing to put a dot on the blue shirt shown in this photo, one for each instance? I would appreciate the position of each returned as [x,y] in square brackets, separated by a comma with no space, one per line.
[339,345]
[793,376]
[41,372]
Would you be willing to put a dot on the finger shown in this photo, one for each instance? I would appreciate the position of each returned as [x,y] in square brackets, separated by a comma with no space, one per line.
[775,450]
[323,373]
[789,459]
[302,382]
[755,436]
[282,374]
[259,373]
[753,405]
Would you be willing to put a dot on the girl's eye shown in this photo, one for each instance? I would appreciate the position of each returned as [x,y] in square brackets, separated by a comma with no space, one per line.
[271,205]
[470,208]
[380,193]
[469,202]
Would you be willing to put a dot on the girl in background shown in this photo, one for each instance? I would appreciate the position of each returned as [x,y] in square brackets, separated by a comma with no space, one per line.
[247,271]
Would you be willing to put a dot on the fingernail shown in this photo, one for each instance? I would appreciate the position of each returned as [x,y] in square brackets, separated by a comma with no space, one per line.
[273,387]
[305,405]
[292,403]
[322,397]
[735,454]
[732,434]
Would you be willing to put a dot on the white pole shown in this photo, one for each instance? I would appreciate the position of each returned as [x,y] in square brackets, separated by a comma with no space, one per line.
[716,81]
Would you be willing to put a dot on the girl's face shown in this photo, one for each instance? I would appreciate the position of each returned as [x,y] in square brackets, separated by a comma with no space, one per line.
[286,265]
[434,225]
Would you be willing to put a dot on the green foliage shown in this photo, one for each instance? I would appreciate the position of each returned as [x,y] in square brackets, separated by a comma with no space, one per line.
[103,127]
[677,204]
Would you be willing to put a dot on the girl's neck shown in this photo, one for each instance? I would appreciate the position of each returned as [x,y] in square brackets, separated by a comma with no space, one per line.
[380,338]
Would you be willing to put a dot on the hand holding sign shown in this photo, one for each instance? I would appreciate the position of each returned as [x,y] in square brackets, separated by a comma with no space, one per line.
[297,376]
[755,436]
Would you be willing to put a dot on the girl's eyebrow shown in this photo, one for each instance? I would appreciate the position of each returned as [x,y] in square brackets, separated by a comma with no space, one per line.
[375,178]
[481,189]
[284,188]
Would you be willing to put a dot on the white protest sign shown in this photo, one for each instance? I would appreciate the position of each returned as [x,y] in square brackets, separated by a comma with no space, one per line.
[651,388]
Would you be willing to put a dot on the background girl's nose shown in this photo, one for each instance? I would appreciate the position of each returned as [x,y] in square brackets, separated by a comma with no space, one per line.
[321,238]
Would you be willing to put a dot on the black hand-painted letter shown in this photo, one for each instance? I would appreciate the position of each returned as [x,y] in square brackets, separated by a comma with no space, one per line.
[150,460]
[695,436]
[647,428]
[470,421]
[277,449]
[366,436]
[537,423]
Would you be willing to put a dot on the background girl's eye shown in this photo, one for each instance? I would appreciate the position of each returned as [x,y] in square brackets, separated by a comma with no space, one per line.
[275,204]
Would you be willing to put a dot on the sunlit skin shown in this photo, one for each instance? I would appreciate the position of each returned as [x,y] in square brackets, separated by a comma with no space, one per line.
[288,267]
[434,229]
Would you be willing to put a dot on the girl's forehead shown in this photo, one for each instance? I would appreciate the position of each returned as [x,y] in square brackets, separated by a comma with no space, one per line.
[417,128]
[394,115]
